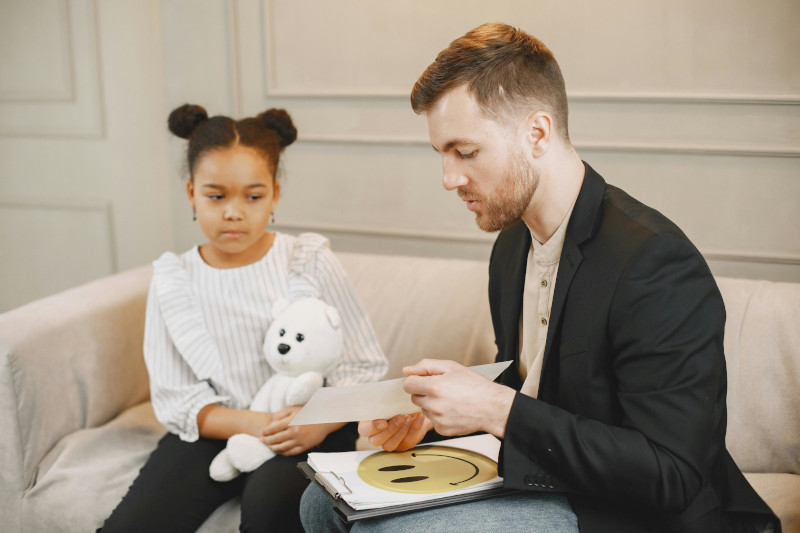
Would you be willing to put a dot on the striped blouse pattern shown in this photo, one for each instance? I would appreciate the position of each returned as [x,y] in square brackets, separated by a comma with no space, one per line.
[188,371]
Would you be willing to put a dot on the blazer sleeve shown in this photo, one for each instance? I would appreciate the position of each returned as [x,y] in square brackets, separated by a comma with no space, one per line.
[664,344]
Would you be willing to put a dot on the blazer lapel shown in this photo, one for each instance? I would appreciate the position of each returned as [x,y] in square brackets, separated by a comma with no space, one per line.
[513,288]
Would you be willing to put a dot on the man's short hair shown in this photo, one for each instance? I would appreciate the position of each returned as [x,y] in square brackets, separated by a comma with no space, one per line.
[507,71]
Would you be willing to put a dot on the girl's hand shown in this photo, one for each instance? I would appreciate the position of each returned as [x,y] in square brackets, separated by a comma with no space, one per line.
[293,440]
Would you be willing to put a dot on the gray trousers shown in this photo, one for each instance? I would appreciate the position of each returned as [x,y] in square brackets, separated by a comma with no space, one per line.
[527,512]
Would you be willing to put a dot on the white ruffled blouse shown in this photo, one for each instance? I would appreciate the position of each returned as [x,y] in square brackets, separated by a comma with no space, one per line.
[205,326]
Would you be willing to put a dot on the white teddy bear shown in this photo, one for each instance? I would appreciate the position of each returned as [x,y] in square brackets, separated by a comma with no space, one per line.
[303,344]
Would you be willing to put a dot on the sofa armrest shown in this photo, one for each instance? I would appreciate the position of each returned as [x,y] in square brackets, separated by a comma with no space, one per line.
[69,361]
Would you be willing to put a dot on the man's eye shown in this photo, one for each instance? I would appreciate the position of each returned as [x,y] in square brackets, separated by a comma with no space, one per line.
[469,155]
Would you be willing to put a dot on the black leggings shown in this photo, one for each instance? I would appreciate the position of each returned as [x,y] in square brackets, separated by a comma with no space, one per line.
[174,493]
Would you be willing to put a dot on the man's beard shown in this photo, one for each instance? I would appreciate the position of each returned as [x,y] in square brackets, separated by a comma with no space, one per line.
[505,206]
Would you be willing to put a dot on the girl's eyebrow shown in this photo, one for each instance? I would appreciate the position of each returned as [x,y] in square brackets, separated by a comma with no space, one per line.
[251,186]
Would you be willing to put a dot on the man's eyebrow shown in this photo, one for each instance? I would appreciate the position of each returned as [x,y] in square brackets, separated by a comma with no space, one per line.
[452,143]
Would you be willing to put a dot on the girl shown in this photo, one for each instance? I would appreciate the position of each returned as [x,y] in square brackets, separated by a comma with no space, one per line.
[223,291]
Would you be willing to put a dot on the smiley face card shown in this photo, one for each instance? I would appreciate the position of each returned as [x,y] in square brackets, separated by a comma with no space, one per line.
[376,479]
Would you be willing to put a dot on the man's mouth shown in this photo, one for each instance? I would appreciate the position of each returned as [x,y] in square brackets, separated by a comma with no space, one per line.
[471,200]
[472,205]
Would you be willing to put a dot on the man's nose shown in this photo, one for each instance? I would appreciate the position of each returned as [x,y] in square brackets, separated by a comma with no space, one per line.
[452,175]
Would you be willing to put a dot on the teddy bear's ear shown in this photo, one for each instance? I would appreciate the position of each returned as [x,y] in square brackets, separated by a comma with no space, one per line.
[280,305]
[333,316]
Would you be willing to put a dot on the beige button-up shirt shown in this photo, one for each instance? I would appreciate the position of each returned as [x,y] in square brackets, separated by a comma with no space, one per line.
[537,300]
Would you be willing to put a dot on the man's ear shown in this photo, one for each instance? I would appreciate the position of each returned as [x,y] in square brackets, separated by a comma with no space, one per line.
[538,130]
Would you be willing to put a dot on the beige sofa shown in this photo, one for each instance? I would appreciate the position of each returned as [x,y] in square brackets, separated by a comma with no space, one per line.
[77,424]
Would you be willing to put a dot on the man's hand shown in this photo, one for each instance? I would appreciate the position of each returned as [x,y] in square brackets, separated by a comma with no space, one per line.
[293,440]
[457,400]
[398,434]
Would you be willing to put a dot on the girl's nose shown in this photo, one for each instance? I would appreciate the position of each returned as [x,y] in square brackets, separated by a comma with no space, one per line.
[232,211]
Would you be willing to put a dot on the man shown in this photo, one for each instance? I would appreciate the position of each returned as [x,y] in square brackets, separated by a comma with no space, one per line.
[612,417]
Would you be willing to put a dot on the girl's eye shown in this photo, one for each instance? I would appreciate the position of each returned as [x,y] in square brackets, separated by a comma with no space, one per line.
[254,198]
[469,155]
[215,196]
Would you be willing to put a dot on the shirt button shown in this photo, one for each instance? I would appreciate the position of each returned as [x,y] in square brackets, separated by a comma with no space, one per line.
[544,321]
[544,283]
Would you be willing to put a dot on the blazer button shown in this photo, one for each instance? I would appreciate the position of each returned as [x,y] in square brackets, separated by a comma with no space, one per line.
[553,482]
[529,480]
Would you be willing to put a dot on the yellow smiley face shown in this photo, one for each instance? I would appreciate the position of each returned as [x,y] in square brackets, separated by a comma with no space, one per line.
[426,470]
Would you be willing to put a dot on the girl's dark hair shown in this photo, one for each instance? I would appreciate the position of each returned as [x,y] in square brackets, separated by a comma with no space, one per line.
[269,133]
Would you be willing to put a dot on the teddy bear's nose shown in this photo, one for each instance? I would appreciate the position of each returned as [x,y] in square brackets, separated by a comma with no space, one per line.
[283,348]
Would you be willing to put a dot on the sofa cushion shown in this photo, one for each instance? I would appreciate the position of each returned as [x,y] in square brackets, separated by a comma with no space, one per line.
[83,478]
[422,307]
[762,350]
[75,360]
[782,494]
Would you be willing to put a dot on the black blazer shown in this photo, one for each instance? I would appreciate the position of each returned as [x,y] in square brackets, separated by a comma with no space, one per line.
[631,416]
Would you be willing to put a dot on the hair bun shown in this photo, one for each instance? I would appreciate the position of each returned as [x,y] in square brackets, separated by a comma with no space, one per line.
[279,121]
[184,120]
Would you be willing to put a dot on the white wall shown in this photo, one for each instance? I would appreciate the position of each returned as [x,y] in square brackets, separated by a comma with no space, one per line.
[693,107]
[83,161]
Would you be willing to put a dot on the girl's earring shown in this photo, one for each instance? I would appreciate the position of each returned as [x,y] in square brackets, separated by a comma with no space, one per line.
[194,215]
[272,217]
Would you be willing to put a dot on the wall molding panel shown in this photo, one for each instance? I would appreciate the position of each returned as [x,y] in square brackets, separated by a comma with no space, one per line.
[669,101]
[633,148]
[268,12]
[75,244]
[19,38]
[73,105]
[485,241]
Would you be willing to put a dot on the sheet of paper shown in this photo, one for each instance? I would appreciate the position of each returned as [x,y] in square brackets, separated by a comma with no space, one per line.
[369,401]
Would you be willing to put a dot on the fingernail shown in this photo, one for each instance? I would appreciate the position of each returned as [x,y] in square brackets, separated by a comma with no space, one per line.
[381,424]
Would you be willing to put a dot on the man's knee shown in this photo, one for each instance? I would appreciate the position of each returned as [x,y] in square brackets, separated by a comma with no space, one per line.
[317,514]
